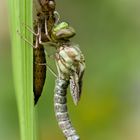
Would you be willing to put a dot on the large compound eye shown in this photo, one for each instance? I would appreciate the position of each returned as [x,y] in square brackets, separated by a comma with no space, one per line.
[51,4]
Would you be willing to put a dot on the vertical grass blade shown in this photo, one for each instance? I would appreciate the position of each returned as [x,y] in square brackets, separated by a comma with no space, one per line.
[20,11]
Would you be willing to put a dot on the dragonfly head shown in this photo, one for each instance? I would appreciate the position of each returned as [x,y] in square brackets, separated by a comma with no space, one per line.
[62,31]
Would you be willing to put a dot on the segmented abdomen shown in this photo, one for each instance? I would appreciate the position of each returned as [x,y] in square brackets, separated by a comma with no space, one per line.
[39,71]
[61,111]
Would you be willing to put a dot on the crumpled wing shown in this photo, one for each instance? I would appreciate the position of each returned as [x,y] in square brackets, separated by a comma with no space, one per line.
[76,83]
[81,73]
[76,79]
[74,88]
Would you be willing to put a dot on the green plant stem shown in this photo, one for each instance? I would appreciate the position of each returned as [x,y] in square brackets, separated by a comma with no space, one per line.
[20,11]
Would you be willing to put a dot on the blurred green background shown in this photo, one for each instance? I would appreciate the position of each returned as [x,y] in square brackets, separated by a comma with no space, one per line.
[109,35]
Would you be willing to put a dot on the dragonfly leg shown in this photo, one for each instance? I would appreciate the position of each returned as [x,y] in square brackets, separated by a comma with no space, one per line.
[29,28]
[50,69]
[57,17]
[46,30]
[39,34]
[25,39]
[49,43]
[52,55]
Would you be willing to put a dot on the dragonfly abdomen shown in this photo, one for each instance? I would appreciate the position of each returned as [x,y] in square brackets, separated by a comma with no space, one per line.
[39,71]
[61,110]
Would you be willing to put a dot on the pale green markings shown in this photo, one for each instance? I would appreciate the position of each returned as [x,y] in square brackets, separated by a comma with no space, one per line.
[62,31]
[62,25]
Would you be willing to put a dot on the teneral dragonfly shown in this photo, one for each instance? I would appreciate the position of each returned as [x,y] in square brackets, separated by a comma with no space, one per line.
[70,64]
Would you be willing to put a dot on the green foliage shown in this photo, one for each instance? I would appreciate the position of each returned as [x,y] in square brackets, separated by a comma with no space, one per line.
[21,12]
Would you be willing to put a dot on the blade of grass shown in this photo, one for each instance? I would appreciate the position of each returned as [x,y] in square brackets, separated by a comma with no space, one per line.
[20,11]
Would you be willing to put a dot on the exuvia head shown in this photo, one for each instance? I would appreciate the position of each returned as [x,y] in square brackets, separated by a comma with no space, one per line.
[47,4]
[51,4]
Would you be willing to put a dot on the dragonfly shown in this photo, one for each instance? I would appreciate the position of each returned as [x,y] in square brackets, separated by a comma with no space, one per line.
[70,65]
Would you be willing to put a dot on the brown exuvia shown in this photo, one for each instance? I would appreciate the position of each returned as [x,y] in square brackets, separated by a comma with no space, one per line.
[39,71]
[39,60]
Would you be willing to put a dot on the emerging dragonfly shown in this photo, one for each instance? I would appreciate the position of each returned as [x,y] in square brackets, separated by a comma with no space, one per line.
[70,64]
